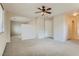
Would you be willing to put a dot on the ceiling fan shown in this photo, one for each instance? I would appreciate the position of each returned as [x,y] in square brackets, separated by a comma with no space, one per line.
[44,10]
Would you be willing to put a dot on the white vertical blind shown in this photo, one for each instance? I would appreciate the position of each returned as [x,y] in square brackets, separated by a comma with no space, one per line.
[1,19]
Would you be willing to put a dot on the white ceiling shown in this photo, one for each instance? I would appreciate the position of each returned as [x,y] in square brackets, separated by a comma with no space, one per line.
[29,9]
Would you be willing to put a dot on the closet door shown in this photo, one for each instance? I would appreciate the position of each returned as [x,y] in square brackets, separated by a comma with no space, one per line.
[40,28]
[48,28]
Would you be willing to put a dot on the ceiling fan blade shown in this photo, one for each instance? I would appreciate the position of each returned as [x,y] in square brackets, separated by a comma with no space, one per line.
[43,7]
[48,12]
[39,8]
[38,12]
[49,8]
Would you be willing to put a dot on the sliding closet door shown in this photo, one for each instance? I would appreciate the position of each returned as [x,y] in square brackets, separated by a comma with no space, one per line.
[40,28]
[49,28]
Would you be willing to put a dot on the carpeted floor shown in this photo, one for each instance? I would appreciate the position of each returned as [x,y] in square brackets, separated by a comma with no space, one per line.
[41,47]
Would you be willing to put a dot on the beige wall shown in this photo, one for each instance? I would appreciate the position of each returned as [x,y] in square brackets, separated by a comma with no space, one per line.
[5,37]
[77,27]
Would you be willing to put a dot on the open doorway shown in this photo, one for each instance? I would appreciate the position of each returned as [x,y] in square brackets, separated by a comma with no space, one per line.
[73,27]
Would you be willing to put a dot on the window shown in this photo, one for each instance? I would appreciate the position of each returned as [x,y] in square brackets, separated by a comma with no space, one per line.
[1,18]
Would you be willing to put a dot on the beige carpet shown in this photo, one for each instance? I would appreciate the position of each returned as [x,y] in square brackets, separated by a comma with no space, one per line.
[41,47]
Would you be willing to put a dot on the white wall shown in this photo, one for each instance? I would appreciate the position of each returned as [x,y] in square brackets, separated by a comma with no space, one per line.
[60,28]
[15,28]
[5,37]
